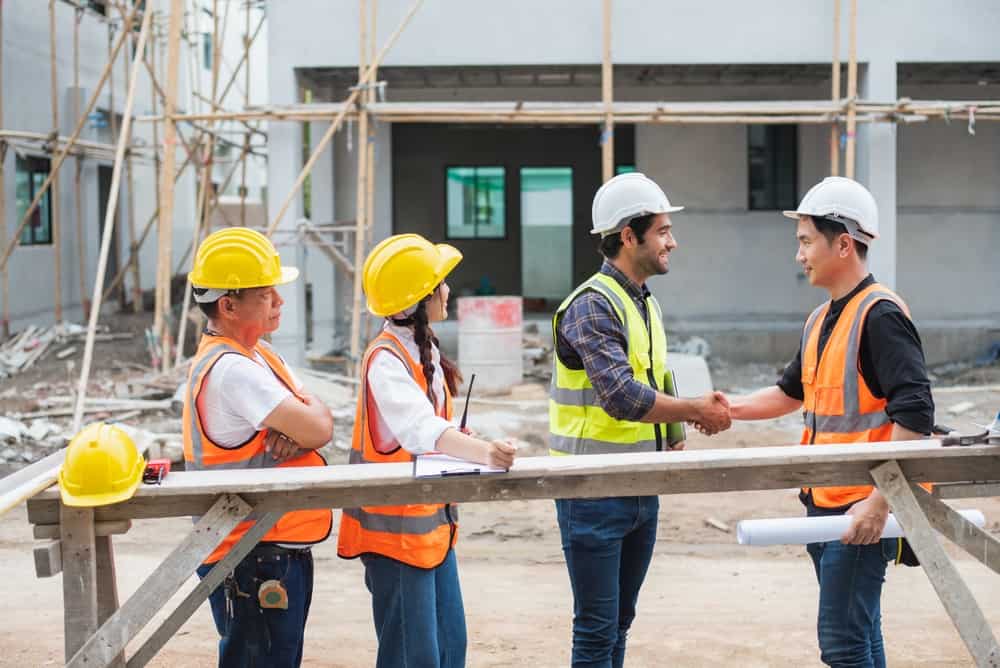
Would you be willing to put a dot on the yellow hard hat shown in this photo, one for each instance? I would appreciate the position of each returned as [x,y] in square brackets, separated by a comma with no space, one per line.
[236,258]
[102,466]
[403,269]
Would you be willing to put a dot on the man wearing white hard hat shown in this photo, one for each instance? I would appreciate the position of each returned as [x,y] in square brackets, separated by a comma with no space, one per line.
[859,376]
[607,397]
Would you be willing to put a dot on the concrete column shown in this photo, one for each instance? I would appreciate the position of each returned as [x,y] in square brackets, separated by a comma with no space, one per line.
[321,272]
[876,166]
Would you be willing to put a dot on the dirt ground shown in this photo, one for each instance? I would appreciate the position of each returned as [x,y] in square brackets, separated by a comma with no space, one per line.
[706,602]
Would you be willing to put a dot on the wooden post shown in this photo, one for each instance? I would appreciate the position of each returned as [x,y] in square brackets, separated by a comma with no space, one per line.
[361,196]
[107,587]
[607,94]
[81,239]
[977,542]
[54,200]
[955,595]
[109,222]
[60,158]
[133,260]
[167,182]
[835,92]
[246,103]
[76,526]
[852,92]
[113,122]
[4,286]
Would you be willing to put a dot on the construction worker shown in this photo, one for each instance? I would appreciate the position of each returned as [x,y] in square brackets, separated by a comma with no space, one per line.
[606,398]
[859,376]
[244,408]
[405,409]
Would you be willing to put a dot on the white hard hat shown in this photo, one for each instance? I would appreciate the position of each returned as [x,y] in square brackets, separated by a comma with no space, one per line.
[625,197]
[845,201]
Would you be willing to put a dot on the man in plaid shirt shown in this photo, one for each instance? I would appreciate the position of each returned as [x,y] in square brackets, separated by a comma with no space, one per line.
[607,398]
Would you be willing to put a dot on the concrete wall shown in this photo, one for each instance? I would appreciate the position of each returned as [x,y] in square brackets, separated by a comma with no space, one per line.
[26,103]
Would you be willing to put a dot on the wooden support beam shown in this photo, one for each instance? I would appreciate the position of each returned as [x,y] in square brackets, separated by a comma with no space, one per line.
[133,259]
[48,559]
[81,238]
[56,199]
[361,197]
[852,93]
[977,542]
[328,249]
[607,96]
[109,222]
[61,156]
[967,490]
[191,493]
[339,119]
[202,590]
[101,647]
[166,219]
[107,589]
[370,159]
[835,92]
[52,531]
[4,284]
[955,595]
[79,577]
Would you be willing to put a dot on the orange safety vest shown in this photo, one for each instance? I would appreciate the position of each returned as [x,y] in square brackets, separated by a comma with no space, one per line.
[838,406]
[305,527]
[417,534]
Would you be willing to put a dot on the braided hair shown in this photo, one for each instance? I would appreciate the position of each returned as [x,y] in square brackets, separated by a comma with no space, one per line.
[426,341]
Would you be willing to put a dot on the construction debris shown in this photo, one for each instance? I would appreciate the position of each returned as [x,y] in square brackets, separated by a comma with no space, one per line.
[22,350]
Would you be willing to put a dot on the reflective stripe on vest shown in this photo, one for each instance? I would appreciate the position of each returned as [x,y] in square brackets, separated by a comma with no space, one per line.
[838,405]
[416,534]
[578,424]
[302,527]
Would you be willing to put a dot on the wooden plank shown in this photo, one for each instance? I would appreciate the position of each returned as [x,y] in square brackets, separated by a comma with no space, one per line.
[200,593]
[977,542]
[958,601]
[967,490]
[107,588]
[79,577]
[48,559]
[33,478]
[191,493]
[114,634]
[109,223]
[49,531]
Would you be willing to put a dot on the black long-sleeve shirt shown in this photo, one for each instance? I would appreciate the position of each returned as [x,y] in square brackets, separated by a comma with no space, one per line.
[892,362]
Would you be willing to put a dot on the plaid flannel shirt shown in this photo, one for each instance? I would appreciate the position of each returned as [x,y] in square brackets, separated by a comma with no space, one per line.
[590,336]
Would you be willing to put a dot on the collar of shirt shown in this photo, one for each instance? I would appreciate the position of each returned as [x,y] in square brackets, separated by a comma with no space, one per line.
[639,293]
[837,305]
[405,335]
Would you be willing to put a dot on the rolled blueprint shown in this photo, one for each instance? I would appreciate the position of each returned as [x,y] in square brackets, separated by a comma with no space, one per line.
[802,530]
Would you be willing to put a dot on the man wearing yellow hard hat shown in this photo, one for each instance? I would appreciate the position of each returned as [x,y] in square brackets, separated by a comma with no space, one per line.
[405,409]
[244,408]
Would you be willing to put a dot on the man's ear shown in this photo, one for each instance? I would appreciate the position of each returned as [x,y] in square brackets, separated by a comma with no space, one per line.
[844,243]
[628,237]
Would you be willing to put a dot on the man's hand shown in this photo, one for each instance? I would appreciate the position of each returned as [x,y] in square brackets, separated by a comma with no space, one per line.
[868,520]
[280,446]
[713,414]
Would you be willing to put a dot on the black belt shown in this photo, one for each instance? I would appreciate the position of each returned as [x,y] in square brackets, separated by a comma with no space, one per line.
[274,550]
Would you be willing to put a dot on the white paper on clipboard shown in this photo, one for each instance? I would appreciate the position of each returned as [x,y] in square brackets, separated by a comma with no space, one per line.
[436,465]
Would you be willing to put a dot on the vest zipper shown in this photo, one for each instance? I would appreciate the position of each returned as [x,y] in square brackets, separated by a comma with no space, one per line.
[651,376]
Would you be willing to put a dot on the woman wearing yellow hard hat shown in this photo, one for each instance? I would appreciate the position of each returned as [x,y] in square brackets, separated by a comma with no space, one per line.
[405,409]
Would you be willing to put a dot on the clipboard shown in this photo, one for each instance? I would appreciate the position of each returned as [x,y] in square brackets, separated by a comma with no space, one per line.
[439,465]
[676,431]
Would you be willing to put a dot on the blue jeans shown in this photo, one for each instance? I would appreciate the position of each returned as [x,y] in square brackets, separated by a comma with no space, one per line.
[608,545]
[255,636]
[419,616]
[849,625]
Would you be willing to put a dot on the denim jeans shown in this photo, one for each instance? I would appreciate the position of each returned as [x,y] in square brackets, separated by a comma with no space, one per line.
[608,545]
[255,636]
[419,616]
[849,624]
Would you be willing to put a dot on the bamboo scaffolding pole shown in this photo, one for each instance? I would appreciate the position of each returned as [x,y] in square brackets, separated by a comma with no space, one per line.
[339,119]
[55,200]
[201,219]
[244,60]
[81,240]
[4,285]
[370,159]
[361,194]
[607,90]
[852,92]
[113,124]
[133,259]
[50,143]
[61,157]
[247,41]
[166,217]
[835,91]
[109,222]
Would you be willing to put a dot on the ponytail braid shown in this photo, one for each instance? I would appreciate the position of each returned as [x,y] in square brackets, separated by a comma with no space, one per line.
[423,336]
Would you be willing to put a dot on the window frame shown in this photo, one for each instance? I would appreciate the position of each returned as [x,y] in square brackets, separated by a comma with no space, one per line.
[32,164]
[772,148]
[504,222]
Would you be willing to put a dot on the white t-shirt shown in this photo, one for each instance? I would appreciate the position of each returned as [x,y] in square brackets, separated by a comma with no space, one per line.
[237,396]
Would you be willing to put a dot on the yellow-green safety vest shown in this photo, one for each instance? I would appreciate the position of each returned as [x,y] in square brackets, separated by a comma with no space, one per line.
[578,425]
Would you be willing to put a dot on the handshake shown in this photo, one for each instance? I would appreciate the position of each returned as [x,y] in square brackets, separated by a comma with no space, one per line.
[711,413]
